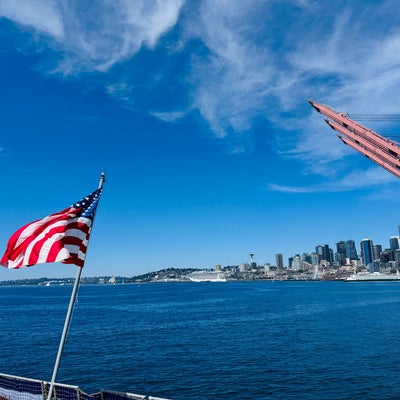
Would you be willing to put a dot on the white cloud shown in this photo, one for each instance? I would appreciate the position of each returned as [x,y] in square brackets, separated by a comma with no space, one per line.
[231,83]
[170,116]
[42,15]
[121,90]
[95,35]
[356,179]
[244,60]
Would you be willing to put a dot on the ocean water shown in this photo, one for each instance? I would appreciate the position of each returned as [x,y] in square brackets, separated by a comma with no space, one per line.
[234,340]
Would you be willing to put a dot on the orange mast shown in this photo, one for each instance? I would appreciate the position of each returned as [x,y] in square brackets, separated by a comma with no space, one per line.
[377,148]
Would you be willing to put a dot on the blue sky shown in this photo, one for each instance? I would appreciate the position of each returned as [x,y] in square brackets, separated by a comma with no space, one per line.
[197,112]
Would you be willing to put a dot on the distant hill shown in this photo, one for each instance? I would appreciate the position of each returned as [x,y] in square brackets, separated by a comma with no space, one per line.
[163,274]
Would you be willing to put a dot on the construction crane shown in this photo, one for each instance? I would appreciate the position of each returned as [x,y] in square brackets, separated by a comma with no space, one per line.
[377,148]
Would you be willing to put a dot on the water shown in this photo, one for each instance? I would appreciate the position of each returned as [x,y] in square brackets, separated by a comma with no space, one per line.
[234,340]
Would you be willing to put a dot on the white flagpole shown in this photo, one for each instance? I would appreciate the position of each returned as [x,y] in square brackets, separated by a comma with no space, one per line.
[68,316]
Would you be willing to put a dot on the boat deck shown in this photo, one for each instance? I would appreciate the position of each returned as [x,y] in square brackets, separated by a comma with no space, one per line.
[20,388]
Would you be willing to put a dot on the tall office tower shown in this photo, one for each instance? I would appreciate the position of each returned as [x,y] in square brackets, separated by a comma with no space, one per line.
[366,251]
[279,261]
[297,263]
[324,253]
[351,251]
[341,249]
[331,257]
[306,257]
[291,259]
[339,258]
[385,256]
[397,257]
[376,251]
[394,243]
[314,259]
[243,267]
[319,250]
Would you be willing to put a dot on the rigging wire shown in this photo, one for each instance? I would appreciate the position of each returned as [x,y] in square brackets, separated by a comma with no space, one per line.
[375,117]
[379,117]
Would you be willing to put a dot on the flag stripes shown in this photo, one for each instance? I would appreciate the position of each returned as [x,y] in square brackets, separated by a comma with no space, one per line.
[60,237]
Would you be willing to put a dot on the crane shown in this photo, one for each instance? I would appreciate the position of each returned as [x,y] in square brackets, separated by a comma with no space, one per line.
[381,150]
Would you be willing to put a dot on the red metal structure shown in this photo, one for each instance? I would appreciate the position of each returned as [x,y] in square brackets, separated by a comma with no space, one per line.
[377,148]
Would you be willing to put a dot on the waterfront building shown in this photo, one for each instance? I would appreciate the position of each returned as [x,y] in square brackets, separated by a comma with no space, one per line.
[376,251]
[314,259]
[357,263]
[341,249]
[394,245]
[267,268]
[297,263]
[243,267]
[339,259]
[351,251]
[279,261]
[340,255]
[331,258]
[306,257]
[366,246]
[324,253]
[385,256]
[375,266]
[319,250]
[397,258]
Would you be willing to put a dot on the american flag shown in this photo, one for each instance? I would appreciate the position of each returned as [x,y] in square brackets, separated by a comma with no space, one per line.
[60,237]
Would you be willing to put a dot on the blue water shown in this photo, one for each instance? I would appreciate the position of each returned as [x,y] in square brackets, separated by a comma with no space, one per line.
[234,340]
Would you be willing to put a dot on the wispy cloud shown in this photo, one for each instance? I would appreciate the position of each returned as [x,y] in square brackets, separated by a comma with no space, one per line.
[171,116]
[233,82]
[94,36]
[42,15]
[243,61]
[356,179]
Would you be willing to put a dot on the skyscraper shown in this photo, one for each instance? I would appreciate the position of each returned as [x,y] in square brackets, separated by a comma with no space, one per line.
[341,249]
[279,261]
[314,259]
[397,257]
[324,253]
[351,251]
[394,243]
[376,251]
[366,252]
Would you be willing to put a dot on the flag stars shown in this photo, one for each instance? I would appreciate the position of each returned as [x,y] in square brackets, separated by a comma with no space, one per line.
[61,237]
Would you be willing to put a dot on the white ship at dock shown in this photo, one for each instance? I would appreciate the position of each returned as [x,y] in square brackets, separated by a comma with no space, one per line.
[374,276]
[207,276]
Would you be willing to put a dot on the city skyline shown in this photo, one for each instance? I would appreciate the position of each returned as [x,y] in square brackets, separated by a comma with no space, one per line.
[198,114]
[349,250]
[393,244]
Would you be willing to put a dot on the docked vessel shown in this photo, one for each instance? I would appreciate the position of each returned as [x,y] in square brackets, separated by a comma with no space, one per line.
[207,276]
[374,276]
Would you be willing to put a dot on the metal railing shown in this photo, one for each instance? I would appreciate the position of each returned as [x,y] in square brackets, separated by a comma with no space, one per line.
[19,388]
